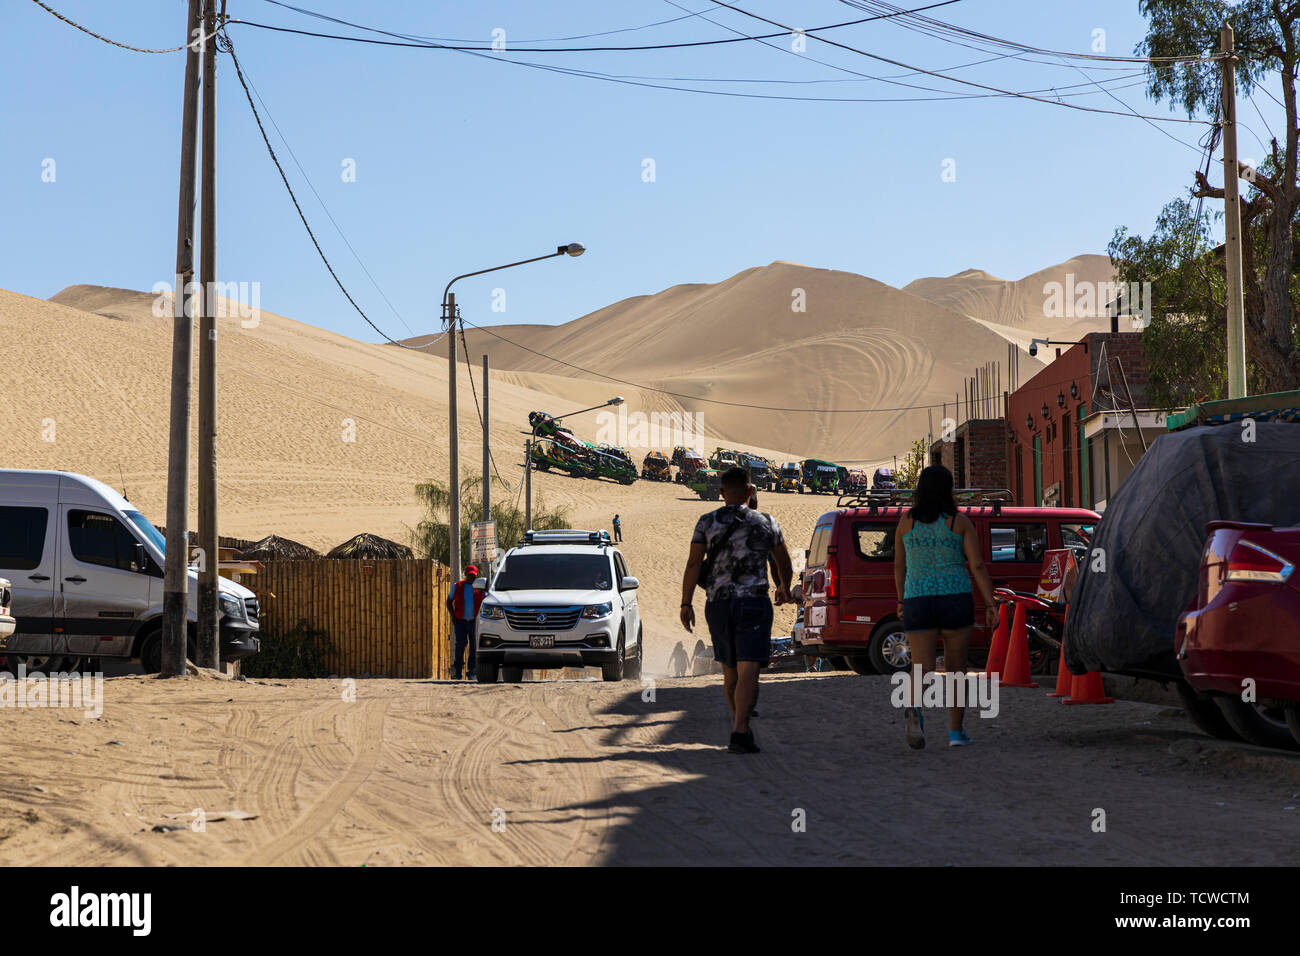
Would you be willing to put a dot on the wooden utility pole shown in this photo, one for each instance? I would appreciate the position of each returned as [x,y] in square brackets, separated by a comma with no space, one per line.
[1232,220]
[176,572]
[208,648]
[454,437]
[487,450]
[528,485]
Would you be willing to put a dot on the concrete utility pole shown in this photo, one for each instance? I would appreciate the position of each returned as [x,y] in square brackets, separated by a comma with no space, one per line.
[176,572]
[528,483]
[453,434]
[487,450]
[208,647]
[1232,221]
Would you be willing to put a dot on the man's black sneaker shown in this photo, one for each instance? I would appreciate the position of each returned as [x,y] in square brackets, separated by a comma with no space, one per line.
[743,743]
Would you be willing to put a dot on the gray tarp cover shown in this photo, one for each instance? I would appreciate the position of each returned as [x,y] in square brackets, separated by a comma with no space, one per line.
[1123,620]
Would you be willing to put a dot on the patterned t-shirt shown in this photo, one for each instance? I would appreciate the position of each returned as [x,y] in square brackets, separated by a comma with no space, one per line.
[740,567]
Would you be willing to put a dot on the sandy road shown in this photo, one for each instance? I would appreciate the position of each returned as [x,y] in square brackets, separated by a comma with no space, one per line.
[589,773]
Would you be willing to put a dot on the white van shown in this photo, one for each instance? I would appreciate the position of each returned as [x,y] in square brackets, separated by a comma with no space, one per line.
[86,572]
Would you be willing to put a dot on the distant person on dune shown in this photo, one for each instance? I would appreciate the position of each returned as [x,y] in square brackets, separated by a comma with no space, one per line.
[738,611]
[618,529]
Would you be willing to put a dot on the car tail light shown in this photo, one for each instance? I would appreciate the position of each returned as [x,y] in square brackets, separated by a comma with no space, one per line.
[832,576]
[1250,562]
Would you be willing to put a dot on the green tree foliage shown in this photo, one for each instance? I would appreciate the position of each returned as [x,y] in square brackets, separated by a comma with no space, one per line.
[432,536]
[909,472]
[1185,341]
[299,652]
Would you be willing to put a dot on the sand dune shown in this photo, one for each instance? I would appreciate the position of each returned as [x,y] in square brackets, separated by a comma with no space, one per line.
[322,436]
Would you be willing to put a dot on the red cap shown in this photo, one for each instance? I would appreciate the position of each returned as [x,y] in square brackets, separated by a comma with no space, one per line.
[470,569]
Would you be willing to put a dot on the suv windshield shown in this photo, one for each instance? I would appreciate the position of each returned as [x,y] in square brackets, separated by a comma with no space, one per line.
[554,572]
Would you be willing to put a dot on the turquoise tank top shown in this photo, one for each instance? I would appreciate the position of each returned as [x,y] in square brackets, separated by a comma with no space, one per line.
[936,563]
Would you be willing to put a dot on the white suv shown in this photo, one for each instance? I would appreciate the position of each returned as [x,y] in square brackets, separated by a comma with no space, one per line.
[560,599]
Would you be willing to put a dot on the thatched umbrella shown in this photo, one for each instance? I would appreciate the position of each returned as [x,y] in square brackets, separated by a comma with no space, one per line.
[371,547]
[273,547]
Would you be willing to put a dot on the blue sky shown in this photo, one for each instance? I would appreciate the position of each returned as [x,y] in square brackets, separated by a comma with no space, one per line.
[463,163]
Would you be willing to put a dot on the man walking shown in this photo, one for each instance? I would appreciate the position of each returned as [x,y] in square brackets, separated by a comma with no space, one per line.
[464,603]
[618,529]
[738,541]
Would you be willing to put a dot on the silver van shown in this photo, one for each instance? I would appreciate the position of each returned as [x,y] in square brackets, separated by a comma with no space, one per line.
[86,573]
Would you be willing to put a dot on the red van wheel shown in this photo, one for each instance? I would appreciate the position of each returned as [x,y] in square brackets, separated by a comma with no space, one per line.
[889,650]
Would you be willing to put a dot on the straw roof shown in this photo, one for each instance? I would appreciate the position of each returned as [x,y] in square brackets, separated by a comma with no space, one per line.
[370,546]
[273,547]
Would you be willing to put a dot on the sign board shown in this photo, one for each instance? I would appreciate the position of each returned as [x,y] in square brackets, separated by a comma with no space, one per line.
[483,542]
[1057,568]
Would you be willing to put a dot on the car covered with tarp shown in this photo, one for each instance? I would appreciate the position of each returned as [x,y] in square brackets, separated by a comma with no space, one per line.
[1143,562]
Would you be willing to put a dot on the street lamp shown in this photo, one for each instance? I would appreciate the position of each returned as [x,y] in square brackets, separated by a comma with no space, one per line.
[528,455]
[449,318]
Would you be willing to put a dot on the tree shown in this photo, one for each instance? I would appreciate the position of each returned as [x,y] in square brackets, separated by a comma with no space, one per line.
[432,536]
[1186,350]
[913,462]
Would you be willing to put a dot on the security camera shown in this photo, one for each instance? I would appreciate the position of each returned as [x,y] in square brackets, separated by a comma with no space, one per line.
[1033,349]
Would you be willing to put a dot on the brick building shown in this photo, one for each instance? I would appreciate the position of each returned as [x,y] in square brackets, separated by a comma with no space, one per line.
[977,455]
[1072,436]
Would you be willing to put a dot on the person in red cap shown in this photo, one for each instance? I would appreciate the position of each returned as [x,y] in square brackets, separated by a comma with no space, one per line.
[464,603]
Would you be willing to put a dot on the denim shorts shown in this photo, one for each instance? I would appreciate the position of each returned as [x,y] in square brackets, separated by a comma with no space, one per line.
[741,629]
[939,612]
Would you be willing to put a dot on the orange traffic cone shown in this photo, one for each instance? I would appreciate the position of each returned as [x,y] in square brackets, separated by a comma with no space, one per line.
[1017,672]
[1087,689]
[1063,677]
[998,649]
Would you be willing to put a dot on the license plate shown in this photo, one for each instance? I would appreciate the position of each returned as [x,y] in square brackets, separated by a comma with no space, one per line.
[541,640]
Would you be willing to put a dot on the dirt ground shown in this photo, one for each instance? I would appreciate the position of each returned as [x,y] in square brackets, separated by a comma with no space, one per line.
[581,772]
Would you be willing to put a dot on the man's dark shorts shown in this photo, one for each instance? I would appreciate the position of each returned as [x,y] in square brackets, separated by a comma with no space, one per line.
[939,612]
[741,629]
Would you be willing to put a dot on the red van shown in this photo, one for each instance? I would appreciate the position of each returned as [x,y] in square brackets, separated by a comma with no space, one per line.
[850,604]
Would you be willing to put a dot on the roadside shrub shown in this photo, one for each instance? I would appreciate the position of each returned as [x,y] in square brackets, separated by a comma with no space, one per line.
[298,653]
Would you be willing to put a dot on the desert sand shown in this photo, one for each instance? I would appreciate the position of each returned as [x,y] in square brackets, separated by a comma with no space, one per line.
[580,772]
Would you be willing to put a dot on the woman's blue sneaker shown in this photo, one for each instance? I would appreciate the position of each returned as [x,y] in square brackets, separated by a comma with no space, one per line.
[915,728]
[958,738]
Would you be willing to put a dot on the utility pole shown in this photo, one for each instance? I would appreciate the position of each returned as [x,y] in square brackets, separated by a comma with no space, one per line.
[528,484]
[487,449]
[176,572]
[453,435]
[1232,220]
[207,651]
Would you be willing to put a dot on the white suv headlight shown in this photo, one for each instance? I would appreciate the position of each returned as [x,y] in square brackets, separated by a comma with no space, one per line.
[491,612]
[593,611]
[232,606]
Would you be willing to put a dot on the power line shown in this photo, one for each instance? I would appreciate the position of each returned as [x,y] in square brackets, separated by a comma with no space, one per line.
[124,46]
[587,49]
[953,79]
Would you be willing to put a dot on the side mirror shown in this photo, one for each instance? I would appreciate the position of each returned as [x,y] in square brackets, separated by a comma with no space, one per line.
[480,584]
[140,558]
[629,583]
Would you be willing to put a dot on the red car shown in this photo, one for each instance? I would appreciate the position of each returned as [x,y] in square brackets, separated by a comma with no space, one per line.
[850,603]
[1245,623]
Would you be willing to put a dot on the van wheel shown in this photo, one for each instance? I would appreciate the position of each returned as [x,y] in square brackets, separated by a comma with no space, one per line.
[632,670]
[1204,714]
[1257,724]
[512,675]
[889,649]
[1293,719]
[613,671]
[861,664]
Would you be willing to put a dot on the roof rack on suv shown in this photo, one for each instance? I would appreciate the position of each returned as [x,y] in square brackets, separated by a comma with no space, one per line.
[566,536]
[879,498]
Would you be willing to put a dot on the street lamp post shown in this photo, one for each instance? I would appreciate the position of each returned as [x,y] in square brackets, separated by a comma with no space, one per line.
[449,320]
[528,457]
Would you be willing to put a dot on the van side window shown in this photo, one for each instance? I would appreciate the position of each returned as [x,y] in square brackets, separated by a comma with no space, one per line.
[97,538]
[874,542]
[1018,542]
[821,541]
[22,537]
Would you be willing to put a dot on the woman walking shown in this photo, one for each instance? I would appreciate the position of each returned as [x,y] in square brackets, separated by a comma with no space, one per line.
[933,546]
